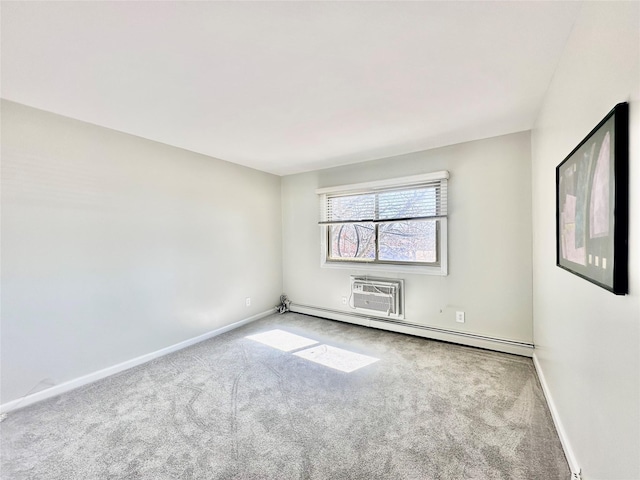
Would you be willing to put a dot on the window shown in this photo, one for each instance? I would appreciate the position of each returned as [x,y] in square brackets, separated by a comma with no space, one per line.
[400,222]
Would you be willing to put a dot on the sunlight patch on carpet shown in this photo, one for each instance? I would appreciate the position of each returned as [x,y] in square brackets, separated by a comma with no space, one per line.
[282,340]
[336,358]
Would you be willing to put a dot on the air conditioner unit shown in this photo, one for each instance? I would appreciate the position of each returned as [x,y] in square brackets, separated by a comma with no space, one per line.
[382,297]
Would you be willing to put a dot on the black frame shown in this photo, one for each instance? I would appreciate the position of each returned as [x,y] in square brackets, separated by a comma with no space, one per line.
[576,187]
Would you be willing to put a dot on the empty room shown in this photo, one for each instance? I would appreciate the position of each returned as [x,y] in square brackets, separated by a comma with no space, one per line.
[320,240]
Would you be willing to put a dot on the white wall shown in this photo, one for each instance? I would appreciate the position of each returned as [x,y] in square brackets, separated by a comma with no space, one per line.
[114,246]
[489,238]
[587,339]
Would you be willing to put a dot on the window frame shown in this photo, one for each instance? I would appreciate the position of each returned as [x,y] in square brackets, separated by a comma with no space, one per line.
[440,267]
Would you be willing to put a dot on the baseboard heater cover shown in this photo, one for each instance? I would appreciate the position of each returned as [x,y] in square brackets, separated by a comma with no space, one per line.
[464,338]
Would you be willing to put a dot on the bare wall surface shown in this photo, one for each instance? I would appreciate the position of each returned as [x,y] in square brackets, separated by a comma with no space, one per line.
[587,339]
[489,238]
[114,247]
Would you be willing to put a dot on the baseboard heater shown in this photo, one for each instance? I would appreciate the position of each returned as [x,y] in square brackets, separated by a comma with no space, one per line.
[464,338]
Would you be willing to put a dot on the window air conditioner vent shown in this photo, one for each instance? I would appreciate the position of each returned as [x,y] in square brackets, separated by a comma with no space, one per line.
[382,297]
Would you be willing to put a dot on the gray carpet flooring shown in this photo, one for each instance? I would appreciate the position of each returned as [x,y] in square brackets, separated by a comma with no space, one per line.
[234,408]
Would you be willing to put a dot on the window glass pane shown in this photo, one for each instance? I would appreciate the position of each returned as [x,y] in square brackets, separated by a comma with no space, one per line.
[352,207]
[418,202]
[352,241]
[408,241]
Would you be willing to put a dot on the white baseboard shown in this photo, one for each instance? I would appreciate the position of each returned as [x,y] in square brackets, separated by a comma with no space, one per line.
[134,362]
[462,338]
[564,439]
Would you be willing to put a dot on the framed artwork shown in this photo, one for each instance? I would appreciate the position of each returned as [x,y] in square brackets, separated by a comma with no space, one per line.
[592,204]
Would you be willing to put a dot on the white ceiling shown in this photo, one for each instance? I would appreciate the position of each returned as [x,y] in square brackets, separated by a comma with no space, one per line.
[287,87]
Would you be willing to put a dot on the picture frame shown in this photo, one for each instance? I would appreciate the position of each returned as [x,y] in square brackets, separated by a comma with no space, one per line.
[592,205]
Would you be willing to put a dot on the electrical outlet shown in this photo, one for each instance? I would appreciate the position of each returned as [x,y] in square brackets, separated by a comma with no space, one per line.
[247,301]
[460,317]
[344,300]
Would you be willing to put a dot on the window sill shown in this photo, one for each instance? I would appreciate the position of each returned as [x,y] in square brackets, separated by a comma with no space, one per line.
[440,270]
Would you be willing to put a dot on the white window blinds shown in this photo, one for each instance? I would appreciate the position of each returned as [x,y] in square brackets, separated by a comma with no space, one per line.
[420,198]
